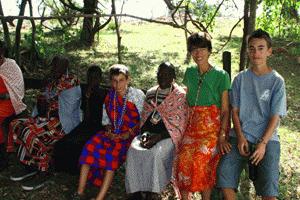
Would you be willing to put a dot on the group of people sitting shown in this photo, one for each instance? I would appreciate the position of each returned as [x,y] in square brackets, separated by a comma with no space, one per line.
[173,134]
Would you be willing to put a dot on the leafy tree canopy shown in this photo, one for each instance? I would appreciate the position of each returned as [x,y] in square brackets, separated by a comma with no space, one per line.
[281,18]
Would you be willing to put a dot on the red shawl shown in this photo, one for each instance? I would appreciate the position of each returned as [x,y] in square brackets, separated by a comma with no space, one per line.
[173,111]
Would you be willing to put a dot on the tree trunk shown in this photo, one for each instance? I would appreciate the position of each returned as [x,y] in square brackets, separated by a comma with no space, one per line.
[188,55]
[252,17]
[5,29]
[18,32]
[87,32]
[119,38]
[249,26]
[33,51]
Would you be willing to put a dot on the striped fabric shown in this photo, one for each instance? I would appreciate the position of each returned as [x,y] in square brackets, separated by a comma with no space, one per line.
[35,140]
[35,137]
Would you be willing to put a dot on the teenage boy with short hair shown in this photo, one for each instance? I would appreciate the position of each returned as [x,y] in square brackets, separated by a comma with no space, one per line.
[258,101]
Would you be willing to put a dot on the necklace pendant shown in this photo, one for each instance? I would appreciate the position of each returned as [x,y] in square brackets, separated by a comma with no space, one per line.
[155,118]
[117,131]
[154,121]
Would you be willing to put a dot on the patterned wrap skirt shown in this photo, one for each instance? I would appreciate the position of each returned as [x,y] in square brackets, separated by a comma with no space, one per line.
[198,156]
[103,153]
[35,137]
[34,140]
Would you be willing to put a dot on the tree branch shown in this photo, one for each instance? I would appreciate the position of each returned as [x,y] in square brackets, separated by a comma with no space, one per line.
[174,12]
[90,15]
[97,26]
[71,5]
[234,4]
[214,15]
[229,37]
[169,4]
[197,24]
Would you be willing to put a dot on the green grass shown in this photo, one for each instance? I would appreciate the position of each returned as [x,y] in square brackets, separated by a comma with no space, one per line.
[145,47]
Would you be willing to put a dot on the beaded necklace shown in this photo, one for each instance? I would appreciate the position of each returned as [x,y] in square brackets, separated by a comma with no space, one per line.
[155,117]
[118,123]
[201,79]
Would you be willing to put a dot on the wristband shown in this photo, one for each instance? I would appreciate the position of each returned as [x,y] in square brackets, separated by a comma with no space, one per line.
[262,140]
[5,96]
[222,132]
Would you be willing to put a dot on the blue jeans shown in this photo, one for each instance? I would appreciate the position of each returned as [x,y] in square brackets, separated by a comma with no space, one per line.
[232,164]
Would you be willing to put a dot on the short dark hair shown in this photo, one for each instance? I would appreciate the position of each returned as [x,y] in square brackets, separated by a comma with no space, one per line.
[259,33]
[60,61]
[170,68]
[199,40]
[117,69]
[3,48]
[94,71]
[64,62]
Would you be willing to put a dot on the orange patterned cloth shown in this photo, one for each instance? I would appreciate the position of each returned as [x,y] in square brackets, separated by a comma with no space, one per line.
[198,156]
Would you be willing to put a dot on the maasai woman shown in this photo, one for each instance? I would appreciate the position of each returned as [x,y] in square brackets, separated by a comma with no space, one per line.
[11,95]
[150,160]
[56,114]
[105,152]
[207,96]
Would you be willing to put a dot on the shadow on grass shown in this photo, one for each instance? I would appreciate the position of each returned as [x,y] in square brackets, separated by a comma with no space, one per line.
[142,66]
[289,69]
[61,186]
[290,184]
[234,43]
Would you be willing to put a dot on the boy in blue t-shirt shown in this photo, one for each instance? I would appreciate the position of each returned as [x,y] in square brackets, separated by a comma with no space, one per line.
[258,101]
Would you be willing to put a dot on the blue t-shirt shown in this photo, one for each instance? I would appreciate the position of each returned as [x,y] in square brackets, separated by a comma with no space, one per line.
[258,99]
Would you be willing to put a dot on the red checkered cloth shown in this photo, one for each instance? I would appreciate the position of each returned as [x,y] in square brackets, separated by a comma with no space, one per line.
[107,149]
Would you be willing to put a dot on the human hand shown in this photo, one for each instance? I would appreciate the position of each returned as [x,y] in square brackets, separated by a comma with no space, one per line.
[150,141]
[243,146]
[223,146]
[108,128]
[258,154]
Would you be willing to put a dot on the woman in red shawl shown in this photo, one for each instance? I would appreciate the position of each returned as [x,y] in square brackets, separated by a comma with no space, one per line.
[11,95]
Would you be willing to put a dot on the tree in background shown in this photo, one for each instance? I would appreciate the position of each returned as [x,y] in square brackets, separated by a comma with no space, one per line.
[250,7]
[198,13]
[18,32]
[5,28]
[281,18]
[90,25]
[57,9]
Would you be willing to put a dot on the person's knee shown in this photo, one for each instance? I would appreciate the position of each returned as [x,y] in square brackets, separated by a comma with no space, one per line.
[229,193]
[268,198]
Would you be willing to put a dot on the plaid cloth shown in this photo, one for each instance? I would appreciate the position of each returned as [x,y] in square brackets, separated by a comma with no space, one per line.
[107,150]
[12,76]
[35,140]
[35,137]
